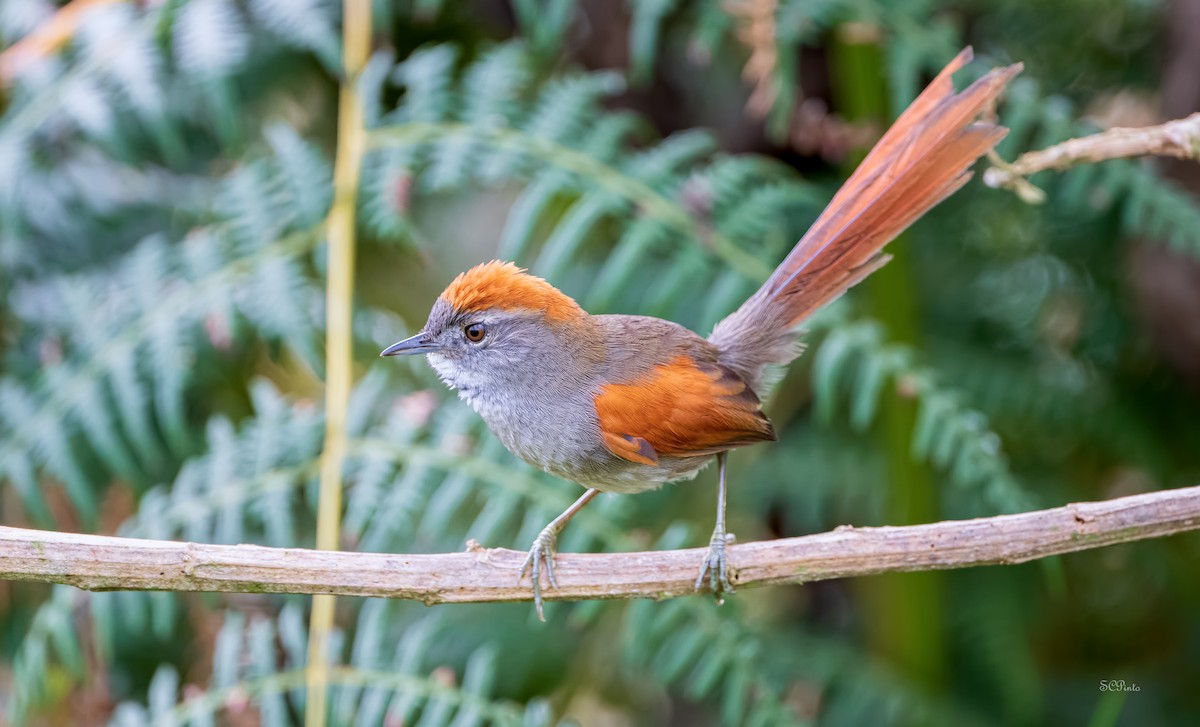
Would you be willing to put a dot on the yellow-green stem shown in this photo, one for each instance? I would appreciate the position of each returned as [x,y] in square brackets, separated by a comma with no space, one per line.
[356,41]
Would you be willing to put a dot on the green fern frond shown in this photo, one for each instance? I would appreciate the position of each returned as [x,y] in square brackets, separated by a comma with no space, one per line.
[211,38]
[131,334]
[717,658]
[1158,209]
[1042,398]
[417,480]
[682,208]
[75,393]
[645,36]
[555,136]
[160,76]
[48,644]
[853,360]
[377,688]
[306,24]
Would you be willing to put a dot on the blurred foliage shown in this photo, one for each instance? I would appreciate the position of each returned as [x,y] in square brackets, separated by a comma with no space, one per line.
[164,177]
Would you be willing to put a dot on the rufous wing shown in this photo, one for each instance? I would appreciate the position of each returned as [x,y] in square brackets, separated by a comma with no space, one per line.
[683,408]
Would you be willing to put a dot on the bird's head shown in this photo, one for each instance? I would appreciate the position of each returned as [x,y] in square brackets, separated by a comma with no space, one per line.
[495,322]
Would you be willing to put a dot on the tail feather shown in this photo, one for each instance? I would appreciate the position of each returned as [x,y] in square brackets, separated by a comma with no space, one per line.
[922,159]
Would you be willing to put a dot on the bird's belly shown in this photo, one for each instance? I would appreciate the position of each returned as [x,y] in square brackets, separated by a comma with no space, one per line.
[569,447]
[608,473]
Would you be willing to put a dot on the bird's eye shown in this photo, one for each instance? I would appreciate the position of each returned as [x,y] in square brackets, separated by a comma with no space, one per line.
[475,332]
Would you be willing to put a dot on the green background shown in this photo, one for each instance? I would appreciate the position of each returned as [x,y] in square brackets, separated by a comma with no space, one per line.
[164,176]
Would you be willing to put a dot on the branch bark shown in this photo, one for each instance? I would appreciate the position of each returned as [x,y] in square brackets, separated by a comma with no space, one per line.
[1179,139]
[97,562]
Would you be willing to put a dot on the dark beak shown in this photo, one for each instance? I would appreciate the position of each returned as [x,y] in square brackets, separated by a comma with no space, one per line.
[419,343]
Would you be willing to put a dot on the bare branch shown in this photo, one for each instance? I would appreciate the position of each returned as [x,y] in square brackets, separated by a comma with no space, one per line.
[98,562]
[1179,139]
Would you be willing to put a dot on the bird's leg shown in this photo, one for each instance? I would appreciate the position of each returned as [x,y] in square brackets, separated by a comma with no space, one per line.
[543,550]
[715,564]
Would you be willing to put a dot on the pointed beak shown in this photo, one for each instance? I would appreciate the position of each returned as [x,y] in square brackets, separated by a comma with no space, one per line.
[420,343]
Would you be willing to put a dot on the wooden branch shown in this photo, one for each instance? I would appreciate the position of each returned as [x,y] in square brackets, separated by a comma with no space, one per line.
[97,562]
[1179,139]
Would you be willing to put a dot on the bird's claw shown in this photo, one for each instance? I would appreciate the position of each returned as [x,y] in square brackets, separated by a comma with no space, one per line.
[716,567]
[543,551]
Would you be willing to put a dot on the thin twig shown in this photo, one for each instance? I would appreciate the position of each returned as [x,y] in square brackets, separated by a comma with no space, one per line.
[97,562]
[1179,139]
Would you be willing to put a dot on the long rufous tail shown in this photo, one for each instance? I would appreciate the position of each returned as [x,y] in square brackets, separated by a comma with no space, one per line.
[922,159]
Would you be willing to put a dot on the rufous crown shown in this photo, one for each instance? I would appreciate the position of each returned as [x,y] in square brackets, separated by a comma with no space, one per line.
[504,286]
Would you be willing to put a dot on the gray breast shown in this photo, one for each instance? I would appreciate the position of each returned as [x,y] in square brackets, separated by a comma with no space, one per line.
[565,441]
[545,412]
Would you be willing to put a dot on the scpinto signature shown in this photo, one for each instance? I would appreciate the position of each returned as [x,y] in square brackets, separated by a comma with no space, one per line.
[1118,685]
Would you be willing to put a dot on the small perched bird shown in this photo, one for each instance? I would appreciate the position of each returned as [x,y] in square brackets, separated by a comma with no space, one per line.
[621,403]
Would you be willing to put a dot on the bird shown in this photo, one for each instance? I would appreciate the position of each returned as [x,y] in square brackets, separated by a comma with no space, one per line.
[626,403]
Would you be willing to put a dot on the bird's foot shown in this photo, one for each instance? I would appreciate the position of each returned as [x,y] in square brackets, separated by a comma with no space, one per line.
[542,553]
[716,567]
